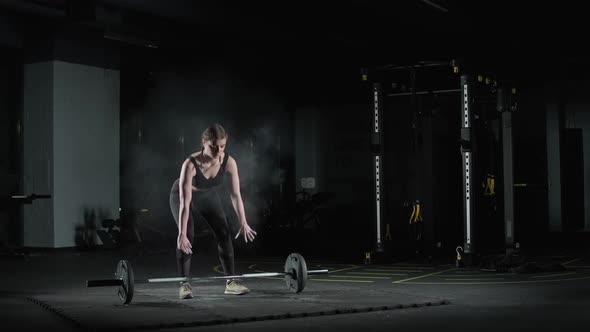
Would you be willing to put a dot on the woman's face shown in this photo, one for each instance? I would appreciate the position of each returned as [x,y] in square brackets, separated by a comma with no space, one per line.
[215,147]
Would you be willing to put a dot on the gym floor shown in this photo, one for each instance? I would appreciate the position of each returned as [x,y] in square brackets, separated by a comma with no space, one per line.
[46,290]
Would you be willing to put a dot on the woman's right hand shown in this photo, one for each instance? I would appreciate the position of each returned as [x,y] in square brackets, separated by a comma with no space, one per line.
[184,244]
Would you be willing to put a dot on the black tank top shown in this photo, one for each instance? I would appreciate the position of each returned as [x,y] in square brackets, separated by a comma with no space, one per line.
[200,182]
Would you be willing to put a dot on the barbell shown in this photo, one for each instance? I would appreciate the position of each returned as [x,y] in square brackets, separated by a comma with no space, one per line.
[295,277]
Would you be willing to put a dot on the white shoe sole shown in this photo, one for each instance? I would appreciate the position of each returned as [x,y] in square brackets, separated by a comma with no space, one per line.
[235,293]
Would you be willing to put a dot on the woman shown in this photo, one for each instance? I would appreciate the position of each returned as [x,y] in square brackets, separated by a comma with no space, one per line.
[193,196]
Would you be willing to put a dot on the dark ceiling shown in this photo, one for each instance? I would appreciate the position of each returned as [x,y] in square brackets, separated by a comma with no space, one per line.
[498,28]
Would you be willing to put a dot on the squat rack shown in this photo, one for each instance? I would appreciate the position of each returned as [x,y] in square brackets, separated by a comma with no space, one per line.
[505,104]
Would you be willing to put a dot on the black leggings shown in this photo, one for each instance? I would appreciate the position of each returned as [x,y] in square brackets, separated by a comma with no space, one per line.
[204,205]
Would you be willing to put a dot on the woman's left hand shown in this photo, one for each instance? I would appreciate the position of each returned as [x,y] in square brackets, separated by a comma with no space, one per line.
[247,232]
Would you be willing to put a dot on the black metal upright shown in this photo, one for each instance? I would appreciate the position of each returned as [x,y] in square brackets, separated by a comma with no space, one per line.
[377,149]
[506,105]
[467,163]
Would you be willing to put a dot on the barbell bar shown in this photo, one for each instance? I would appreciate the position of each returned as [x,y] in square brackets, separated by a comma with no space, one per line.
[295,277]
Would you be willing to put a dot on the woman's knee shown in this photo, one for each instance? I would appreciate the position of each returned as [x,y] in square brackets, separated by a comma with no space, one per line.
[225,244]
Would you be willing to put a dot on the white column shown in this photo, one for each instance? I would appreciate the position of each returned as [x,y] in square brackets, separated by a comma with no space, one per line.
[71,148]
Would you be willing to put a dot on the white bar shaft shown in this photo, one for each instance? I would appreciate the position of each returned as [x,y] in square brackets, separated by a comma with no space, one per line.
[247,275]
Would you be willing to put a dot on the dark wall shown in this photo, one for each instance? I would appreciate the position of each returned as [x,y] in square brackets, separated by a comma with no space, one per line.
[347,219]
[530,162]
[10,145]
[10,32]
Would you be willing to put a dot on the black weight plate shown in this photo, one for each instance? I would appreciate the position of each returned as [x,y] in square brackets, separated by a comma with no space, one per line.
[296,272]
[125,273]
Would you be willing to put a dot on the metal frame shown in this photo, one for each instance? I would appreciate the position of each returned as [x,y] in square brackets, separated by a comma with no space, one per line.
[467,162]
[505,107]
[378,161]
[423,92]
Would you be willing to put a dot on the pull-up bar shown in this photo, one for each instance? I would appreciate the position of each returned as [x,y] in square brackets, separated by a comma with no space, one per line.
[422,92]
[422,64]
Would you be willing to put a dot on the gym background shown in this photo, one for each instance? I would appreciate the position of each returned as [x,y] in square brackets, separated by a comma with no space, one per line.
[101,101]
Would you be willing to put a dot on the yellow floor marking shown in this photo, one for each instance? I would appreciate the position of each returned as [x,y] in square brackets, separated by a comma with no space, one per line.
[496,283]
[573,260]
[404,267]
[392,270]
[379,274]
[474,275]
[553,275]
[344,269]
[424,276]
[476,279]
[366,277]
[340,280]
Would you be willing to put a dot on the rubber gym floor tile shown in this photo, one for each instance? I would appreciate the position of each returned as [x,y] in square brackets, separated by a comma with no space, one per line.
[157,306]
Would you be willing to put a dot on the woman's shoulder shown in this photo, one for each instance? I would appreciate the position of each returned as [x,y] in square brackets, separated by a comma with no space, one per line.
[230,162]
[195,157]
[195,154]
[192,159]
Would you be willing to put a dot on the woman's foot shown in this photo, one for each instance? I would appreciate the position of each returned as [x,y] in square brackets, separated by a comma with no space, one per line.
[185,291]
[235,287]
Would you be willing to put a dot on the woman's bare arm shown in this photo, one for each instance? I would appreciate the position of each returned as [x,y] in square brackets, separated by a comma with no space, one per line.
[187,172]
[237,202]
[235,194]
